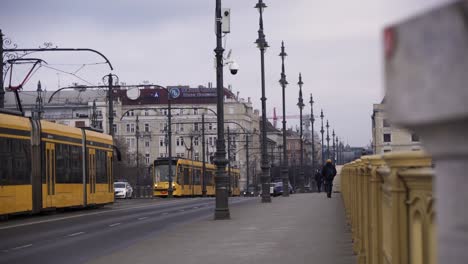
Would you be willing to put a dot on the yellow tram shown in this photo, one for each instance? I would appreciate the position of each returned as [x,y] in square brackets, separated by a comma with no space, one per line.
[187,178]
[45,166]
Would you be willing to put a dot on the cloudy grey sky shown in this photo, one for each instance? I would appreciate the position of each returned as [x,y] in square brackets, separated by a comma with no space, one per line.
[335,44]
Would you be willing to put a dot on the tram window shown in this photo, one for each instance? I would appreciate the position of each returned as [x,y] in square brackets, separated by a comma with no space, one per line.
[196,176]
[186,176]
[15,161]
[101,166]
[76,164]
[63,171]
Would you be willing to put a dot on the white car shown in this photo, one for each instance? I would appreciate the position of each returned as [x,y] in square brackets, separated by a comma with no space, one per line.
[123,190]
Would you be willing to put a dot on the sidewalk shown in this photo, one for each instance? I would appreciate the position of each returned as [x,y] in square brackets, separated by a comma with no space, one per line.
[303,228]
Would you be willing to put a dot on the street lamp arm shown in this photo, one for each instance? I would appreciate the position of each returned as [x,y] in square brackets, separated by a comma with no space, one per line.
[62,49]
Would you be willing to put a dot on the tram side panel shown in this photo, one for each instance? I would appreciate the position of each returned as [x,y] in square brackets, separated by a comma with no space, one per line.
[15,165]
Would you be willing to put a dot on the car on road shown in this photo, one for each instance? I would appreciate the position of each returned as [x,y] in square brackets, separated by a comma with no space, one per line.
[249,192]
[278,189]
[123,190]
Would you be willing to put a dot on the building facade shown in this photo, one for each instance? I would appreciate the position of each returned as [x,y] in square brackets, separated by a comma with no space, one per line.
[140,122]
[387,137]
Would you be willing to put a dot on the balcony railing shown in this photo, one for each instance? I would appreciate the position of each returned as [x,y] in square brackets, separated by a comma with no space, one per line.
[390,205]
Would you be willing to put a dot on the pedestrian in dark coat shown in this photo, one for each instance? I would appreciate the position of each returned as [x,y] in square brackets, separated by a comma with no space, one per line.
[318,180]
[328,174]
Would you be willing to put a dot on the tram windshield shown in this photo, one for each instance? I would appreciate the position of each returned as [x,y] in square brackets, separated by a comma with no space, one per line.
[162,172]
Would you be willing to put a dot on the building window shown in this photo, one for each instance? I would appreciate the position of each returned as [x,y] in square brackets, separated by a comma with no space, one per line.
[182,127]
[195,111]
[146,113]
[147,127]
[147,158]
[165,112]
[197,156]
[195,141]
[182,141]
[147,144]
[177,142]
[195,126]
[414,138]
[385,123]
[114,126]
[161,141]
[210,126]
[387,138]
[387,150]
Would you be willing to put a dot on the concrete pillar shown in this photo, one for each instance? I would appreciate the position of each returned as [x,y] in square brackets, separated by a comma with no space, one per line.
[426,72]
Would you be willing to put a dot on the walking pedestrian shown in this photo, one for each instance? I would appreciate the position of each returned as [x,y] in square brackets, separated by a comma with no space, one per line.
[328,174]
[318,180]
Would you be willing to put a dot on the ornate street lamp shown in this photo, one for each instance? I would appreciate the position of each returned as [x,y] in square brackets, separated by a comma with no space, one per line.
[312,120]
[328,142]
[221,180]
[334,149]
[321,131]
[301,105]
[284,169]
[265,165]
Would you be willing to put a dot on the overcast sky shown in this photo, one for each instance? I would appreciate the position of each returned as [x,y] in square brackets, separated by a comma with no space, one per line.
[335,44]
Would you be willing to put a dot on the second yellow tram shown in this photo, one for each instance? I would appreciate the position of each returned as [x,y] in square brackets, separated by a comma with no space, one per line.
[187,178]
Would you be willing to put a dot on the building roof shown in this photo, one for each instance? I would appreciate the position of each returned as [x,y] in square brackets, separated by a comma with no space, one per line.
[149,94]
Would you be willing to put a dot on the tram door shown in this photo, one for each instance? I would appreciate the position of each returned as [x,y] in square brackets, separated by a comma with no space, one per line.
[91,176]
[50,175]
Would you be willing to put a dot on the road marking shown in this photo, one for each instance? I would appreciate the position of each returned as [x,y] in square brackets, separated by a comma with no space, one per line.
[96,213]
[182,210]
[75,234]
[196,207]
[116,224]
[142,218]
[21,247]
[165,213]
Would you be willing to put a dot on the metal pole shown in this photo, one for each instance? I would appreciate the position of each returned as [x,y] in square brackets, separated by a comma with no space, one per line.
[203,158]
[284,82]
[312,121]
[110,96]
[222,200]
[2,89]
[301,106]
[247,159]
[328,141]
[265,165]
[321,131]
[229,161]
[169,136]
[137,135]
[334,149]
[337,150]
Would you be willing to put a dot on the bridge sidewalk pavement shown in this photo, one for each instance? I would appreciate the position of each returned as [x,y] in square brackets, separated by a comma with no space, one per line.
[303,228]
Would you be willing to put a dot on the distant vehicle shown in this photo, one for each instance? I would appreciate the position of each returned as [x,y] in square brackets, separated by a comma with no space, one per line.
[187,178]
[123,190]
[278,189]
[250,191]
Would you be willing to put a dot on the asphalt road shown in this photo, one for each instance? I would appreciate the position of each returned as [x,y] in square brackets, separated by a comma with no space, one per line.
[82,235]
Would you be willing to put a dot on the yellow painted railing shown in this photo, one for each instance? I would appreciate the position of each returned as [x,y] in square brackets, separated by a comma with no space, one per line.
[390,205]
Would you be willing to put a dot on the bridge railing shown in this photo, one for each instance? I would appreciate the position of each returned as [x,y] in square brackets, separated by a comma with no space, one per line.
[390,205]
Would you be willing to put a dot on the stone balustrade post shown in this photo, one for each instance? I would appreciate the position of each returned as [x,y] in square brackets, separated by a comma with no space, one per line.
[426,82]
